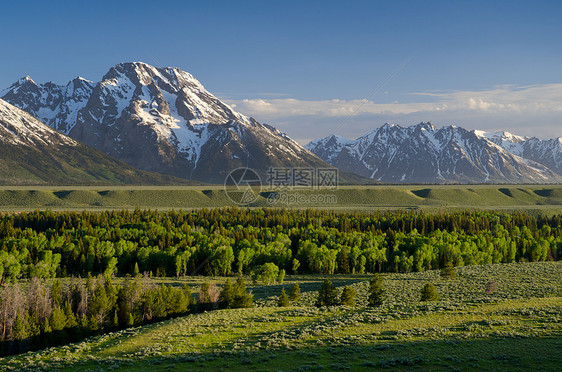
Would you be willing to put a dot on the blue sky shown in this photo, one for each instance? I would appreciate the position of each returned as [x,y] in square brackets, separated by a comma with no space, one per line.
[273,59]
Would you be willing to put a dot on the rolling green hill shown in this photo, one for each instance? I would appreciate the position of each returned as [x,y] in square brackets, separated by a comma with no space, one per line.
[503,197]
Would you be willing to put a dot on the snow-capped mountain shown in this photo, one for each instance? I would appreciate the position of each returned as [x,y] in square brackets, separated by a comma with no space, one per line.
[159,119]
[34,153]
[422,153]
[547,152]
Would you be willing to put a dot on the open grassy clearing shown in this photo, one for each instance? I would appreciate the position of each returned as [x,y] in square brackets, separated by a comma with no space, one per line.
[506,197]
[518,326]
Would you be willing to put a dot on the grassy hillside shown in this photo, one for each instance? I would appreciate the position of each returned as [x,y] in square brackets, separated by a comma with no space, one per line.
[506,197]
[519,326]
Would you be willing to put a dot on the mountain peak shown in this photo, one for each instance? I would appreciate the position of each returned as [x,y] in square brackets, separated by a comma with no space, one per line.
[35,154]
[26,79]
[426,126]
[500,136]
[171,79]
[80,79]
[385,128]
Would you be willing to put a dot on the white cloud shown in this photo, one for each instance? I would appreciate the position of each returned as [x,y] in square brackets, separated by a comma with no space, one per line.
[277,108]
[524,110]
[509,98]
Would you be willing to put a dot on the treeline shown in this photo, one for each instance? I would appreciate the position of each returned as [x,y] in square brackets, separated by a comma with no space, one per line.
[258,242]
[35,315]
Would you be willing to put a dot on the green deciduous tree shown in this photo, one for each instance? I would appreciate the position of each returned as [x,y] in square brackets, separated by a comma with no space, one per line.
[268,272]
[296,265]
[281,276]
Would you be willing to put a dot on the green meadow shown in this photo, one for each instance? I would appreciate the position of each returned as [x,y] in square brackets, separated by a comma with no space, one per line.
[516,326]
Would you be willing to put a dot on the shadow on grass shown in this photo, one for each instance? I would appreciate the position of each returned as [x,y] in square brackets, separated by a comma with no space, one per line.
[476,354]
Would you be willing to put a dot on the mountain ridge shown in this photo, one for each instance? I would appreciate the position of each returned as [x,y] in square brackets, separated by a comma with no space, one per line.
[423,153]
[162,119]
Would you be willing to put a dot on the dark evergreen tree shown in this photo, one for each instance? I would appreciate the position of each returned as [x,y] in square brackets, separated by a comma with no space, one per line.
[377,291]
[449,271]
[226,298]
[56,293]
[348,296]
[58,319]
[204,298]
[429,293]
[283,300]
[343,261]
[295,293]
[327,295]
[241,297]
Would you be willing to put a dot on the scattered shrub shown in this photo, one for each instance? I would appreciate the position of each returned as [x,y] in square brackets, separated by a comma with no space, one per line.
[491,287]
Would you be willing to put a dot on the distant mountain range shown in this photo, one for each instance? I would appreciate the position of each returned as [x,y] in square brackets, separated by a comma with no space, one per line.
[162,120]
[424,154]
[32,153]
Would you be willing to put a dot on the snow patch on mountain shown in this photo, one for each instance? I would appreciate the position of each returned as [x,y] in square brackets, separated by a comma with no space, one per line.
[19,127]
